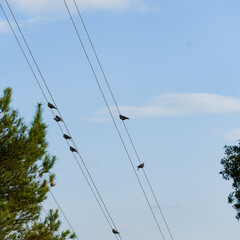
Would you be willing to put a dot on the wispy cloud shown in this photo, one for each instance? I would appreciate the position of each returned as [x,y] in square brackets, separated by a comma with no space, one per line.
[56,6]
[42,11]
[178,105]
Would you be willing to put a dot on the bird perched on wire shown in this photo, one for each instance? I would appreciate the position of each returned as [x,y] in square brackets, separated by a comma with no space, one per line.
[57,119]
[140,166]
[51,105]
[73,149]
[115,231]
[66,136]
[123,117]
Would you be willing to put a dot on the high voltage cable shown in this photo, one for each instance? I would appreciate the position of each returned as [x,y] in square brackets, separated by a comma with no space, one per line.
[116,105]
[105,100]
[43,95]
[52,111]
[104,206]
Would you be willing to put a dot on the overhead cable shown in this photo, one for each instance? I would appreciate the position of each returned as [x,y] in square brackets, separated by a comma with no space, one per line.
[106,102]
[104,206]
[41,90]
[116,105]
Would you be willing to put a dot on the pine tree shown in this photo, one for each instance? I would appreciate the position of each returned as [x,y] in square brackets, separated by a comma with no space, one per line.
[25,177]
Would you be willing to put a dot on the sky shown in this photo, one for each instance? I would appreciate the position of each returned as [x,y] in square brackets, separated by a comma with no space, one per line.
[173,67]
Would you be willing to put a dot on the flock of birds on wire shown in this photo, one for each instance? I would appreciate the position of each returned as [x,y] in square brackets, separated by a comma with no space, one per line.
[72,149]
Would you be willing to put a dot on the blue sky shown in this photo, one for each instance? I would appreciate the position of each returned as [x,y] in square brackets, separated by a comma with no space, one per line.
[174,69]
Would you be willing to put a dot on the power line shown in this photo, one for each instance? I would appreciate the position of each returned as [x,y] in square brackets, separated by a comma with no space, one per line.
[116,105]
[104,206]
[105,100]
[115,102]
[41,91]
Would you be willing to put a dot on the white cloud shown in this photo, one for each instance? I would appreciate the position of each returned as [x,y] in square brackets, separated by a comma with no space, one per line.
[57,6]
[42,11]
[179,105]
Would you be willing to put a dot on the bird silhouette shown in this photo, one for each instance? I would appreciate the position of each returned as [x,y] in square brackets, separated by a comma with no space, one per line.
[57,119]
[73,149]
[66,136]
[140,166]
[51,105]
[123,117]
[115,231]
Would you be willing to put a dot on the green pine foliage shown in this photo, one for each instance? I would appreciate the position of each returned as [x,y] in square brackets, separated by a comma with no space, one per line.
[25,177]
[231,171]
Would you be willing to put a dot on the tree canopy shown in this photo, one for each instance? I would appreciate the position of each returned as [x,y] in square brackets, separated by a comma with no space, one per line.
[25,177]
[231,171]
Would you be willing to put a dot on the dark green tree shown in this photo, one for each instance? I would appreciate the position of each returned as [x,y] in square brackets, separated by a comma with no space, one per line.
[25,177]
[231,171]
